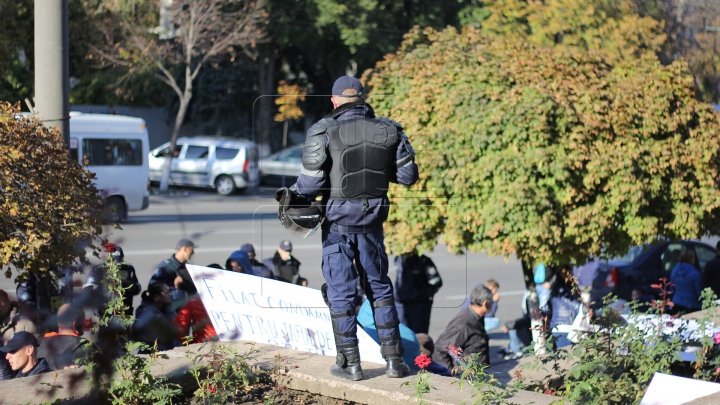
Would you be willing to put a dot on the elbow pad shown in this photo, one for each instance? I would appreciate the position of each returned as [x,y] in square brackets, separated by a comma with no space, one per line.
[314,153]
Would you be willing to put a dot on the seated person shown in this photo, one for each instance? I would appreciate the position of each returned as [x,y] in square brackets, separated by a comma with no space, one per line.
[64,348]
[239,262]
[21,353]
[259,269]
[153,321]
[427,347]
[194,315]
[410,343]
[491,322]
[643,300]
[466,331]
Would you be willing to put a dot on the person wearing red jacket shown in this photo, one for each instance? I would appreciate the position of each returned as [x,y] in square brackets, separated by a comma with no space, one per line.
[193,314]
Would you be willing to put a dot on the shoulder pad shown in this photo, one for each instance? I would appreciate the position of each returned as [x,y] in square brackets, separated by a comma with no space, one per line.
[314,154]
[391,122]
[318,128]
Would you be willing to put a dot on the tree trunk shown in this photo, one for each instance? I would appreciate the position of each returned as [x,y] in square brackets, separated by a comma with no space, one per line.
[184,102]
[538,323]
[266,86]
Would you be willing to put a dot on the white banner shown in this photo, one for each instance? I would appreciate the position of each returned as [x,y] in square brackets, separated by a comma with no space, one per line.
[243,307]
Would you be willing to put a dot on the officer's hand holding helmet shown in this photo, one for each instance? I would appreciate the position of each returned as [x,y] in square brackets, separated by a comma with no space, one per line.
[300,215]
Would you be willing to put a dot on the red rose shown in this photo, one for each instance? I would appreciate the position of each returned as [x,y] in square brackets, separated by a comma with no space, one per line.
[110,247]
[88,325]
[422,361]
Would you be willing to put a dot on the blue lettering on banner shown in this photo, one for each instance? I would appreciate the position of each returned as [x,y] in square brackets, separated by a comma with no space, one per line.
[268,302]
[254,300]
[205,281]
[233,297]
[249,323]
[238,322]
[225,321]
[244,298]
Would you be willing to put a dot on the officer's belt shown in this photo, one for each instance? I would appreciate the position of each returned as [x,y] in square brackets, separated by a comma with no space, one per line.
[354,229]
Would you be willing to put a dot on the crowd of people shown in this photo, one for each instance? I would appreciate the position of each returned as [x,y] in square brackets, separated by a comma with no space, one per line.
[170,312]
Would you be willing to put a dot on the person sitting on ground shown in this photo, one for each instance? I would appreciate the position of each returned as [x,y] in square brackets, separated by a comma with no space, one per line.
[63,349]
[153,321]
[491,322]
[11,322]
[239,262]
[427,347]
[284,266]
[643,300]
[466,331]
[688,284]
[258,268]
[21,353]
[194,315]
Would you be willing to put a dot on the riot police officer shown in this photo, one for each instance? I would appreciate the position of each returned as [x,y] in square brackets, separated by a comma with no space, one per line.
[350,156]
[129,281]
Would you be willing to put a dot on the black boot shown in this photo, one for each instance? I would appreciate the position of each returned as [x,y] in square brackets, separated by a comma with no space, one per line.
[392,353]
[347,364]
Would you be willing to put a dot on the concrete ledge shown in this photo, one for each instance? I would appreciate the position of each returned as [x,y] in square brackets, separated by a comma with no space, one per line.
[310,374]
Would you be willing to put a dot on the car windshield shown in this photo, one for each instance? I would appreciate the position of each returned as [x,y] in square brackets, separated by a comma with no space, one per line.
[631,255]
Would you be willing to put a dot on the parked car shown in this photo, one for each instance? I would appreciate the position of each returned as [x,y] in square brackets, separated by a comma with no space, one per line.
[641,266]
[114,146]
[226,164]
[287,162]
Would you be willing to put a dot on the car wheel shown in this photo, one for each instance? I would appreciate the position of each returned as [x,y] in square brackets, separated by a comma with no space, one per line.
[115,210]
[225,185]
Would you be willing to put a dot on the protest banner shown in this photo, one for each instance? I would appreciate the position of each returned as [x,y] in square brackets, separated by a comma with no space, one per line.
[244,307]
[665,389]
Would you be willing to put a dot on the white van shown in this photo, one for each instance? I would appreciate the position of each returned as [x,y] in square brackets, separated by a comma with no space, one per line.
[225,164]
[116,148]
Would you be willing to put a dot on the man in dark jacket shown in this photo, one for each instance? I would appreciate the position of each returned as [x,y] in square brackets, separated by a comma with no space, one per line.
[711,275]
[21,353]
[172,273]
[259,268]
[284,266]
[467,331]
[63,349]
[416,283]
[130,284]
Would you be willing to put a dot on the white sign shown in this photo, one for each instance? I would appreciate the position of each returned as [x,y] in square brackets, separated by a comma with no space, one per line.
[269,311]
[667,389]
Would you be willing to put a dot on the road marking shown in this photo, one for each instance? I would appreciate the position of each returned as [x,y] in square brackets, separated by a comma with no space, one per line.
[502,294]
[212,250]
[204,233]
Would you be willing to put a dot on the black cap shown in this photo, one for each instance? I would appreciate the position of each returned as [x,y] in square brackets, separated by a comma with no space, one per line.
[186,243]
[248,247]
[286,245]
[345,83]
[20,340]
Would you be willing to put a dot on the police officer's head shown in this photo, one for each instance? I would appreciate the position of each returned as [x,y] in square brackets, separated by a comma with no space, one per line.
[481,300]
[347,89]
[185,250]
[285,250]
[118,255]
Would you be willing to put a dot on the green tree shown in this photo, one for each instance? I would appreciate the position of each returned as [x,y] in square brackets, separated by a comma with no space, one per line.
[49,208]
[550,153]
[612,25]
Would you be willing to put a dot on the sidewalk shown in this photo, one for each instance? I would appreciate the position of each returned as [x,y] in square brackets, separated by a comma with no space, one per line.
[311,375]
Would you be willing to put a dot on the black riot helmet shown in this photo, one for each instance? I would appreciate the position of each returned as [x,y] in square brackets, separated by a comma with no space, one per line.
[118,256]
[298,214]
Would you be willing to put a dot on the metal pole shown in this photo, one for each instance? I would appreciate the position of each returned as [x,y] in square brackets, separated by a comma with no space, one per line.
[52,65]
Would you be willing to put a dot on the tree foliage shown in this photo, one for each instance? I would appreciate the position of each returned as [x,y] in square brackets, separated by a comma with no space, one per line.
[550,153]
[290,96]
[49,208]
[611,25]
